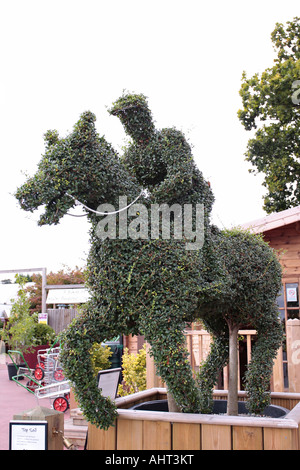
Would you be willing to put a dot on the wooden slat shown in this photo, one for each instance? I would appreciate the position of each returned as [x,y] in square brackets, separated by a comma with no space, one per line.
[280,439]
[291,253]
[60,318]
[277,382]
[130,435]
[215,437]
[152,378]
[186,436]
[293,340]
[287,400]
[157,435]
[207,419]
[247,438]
[285,233]
[98,439]
[290,263]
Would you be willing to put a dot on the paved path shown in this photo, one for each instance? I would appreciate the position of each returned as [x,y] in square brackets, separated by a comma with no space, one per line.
[15,400]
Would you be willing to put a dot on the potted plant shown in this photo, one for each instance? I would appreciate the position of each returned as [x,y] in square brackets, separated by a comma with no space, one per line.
[23,333]
[41,336]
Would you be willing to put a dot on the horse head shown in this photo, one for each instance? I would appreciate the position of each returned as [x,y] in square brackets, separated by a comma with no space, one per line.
[82,166]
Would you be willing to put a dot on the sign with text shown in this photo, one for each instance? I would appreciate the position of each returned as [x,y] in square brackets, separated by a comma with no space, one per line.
[109,381]
[291,294]
[28,435]
[43,318]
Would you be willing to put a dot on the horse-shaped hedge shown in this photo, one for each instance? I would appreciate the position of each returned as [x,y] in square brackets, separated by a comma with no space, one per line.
[143,279]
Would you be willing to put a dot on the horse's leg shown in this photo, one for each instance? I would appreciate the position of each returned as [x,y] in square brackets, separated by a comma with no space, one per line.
[263,354]
[209,370]
[76,342]
[171,358]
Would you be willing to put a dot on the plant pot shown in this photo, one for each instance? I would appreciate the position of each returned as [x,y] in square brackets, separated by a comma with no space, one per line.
[220,407]
[12,370]
[31,356]
[151,430]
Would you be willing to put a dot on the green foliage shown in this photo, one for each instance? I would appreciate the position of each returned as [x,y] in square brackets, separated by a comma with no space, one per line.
[63,276]
[22,330]
[42,334]
[135,115]
[83,165]
[252,280]
[161,161]
[134,372]
[149,286]
[19,328]
[209,370]
[100,357]
[271,105]
[18,333]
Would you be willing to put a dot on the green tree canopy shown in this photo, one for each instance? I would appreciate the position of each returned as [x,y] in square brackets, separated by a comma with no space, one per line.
[63,276]
[271,107]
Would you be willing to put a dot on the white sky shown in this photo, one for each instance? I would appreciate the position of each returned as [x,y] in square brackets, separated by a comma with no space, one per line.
[60,58]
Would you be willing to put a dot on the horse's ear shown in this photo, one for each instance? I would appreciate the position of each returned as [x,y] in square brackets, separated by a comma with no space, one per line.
[88,116]
[51,137]
[85,124]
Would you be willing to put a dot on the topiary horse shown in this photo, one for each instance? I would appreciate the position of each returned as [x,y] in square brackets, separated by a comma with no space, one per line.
[142,282]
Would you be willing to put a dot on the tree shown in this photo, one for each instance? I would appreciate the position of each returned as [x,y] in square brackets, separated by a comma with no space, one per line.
[20,326]
[22,330]
[271,106]
[63,276]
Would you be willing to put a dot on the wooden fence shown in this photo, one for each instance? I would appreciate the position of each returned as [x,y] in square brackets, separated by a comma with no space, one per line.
[198,345]
[60,318]
[146,430]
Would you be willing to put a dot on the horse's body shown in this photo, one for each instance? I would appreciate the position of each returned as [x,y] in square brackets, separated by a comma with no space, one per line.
[138,286]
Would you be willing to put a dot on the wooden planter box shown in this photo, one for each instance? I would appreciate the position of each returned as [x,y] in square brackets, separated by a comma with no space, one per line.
[148,430]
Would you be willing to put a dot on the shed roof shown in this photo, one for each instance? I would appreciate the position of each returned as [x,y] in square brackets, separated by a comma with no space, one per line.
[275,220]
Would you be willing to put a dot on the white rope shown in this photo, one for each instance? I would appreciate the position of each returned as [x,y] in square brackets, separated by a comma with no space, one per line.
[143,192]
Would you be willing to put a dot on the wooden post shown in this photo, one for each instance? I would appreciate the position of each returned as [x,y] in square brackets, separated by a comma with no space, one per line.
[44,292]
[277,382]
[55,420]
[293,354]
[152,379]
[232,403]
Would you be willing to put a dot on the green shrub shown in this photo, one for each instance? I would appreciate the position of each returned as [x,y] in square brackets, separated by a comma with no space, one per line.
[100,357]
[42,334]
[134,372]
